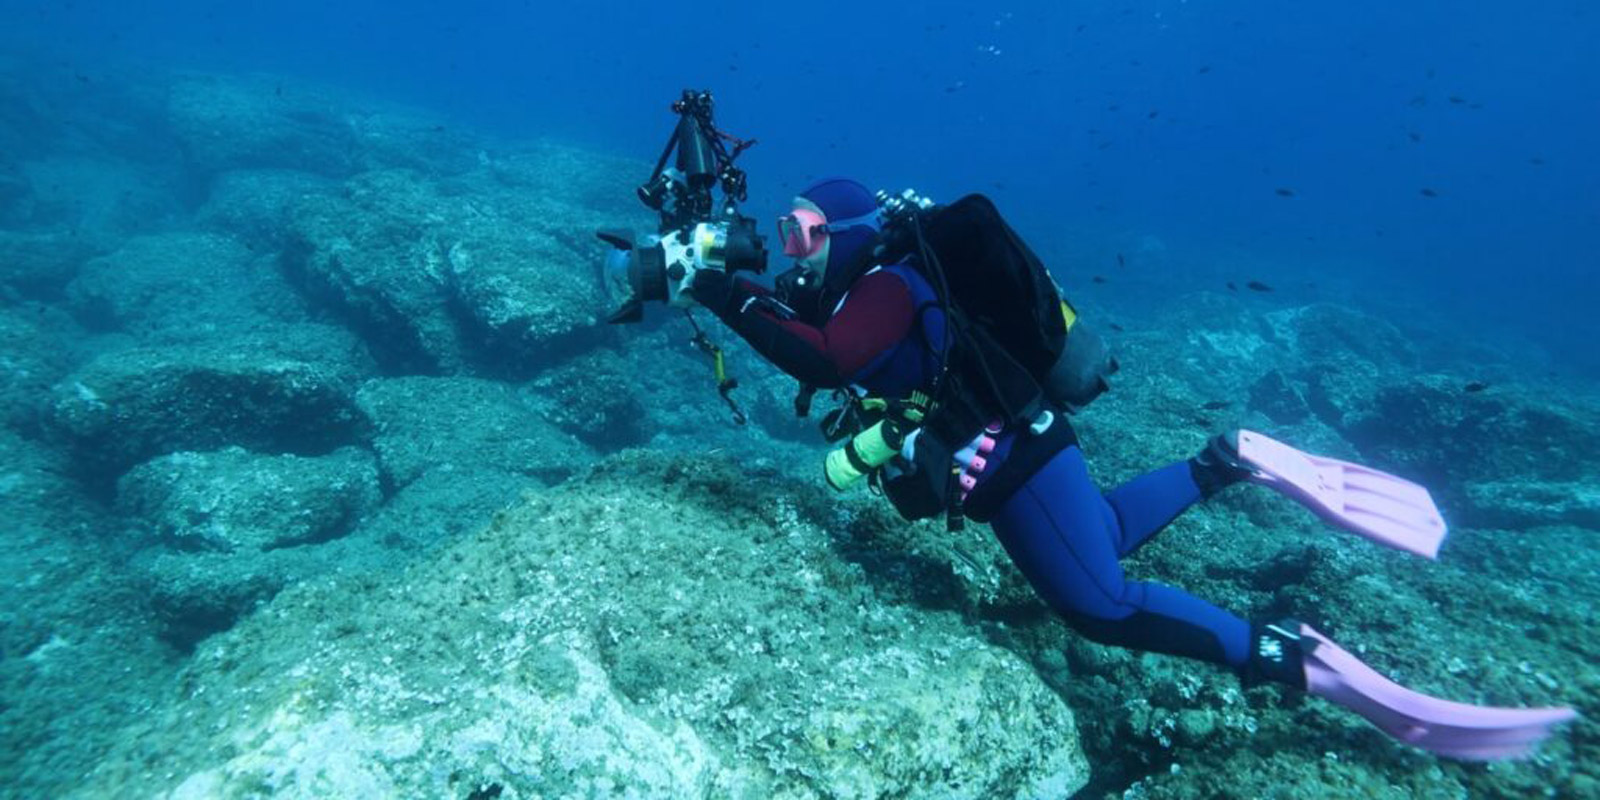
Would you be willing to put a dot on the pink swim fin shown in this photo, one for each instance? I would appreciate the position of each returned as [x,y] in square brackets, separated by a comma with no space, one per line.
[1388,510]
[1454,730]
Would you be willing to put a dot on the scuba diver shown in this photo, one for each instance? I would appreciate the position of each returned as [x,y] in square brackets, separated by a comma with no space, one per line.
[946,417]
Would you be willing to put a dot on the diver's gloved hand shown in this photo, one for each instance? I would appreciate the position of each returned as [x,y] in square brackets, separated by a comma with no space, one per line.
[715,289]
[973,459]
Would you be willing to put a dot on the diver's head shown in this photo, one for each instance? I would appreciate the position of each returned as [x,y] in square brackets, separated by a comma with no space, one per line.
[830,224]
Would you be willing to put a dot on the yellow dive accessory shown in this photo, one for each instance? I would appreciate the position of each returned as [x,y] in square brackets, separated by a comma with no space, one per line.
[869,450]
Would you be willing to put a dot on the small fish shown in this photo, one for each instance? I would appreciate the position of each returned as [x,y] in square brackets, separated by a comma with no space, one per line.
[1536,161]
[1099,279]
[1121,262]
[1475,387]
[82,78]
[1216,405]
[1282,192]
[955,87]
[1203,70]
[1429,193]
[1233,287]
[1457,99]
[1153,115]
[277,91]
[1414,136]
[1114,326]
[1257,286]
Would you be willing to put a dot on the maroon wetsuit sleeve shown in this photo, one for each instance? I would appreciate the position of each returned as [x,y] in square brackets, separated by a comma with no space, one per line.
[876,315]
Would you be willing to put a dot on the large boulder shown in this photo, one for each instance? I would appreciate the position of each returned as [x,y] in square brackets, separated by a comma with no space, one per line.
[38,264]
[262,122]
[255,204]
[1519,504]
[38,346]
[181,286]
[226,122]
[100,196]
[224,531]
[77,656]
[273,390]
[234,500]
[463,426]
[1429,428]
[662,627]
[437,276]
[374,254]
[444,504]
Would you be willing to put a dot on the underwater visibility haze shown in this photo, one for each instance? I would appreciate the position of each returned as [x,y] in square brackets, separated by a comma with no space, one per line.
[331,470]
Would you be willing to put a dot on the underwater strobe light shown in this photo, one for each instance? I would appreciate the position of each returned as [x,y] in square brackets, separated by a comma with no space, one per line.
[695,233]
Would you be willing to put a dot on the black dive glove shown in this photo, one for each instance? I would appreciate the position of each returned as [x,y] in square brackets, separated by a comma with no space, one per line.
[716,290]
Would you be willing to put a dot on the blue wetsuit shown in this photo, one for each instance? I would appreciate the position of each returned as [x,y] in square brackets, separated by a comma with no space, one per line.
[1059,529]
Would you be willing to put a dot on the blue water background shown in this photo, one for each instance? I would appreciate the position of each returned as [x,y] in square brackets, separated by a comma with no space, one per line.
[1162,131]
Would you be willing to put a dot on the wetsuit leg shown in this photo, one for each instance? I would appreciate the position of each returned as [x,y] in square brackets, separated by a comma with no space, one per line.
[1143,506]
[1064,537]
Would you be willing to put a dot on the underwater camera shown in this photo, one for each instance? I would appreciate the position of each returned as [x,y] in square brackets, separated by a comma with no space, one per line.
[695,232]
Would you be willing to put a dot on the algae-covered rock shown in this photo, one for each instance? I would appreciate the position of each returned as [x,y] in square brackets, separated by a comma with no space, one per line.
[277,390]
[663,627]
[180,286]
[436,275]
[100,195]
[374,254]
[38,346]
[600,397]
[1323,331]
[1434,431]
[255,204]
[1529,504]
[233,499]
[77,655]
[227,122]
[1279,398]
[445,503]
[462,425]
[38,264]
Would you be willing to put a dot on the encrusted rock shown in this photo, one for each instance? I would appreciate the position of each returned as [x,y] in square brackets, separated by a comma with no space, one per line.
[1528,504]
[279,390]
[440,277]
[463,425]
[235,500]
[644,629]
[180,286]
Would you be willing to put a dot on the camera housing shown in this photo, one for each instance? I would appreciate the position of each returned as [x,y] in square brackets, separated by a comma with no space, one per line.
[694,233]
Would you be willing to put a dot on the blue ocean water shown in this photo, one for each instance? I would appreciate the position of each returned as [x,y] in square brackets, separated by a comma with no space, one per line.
[1439,155]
